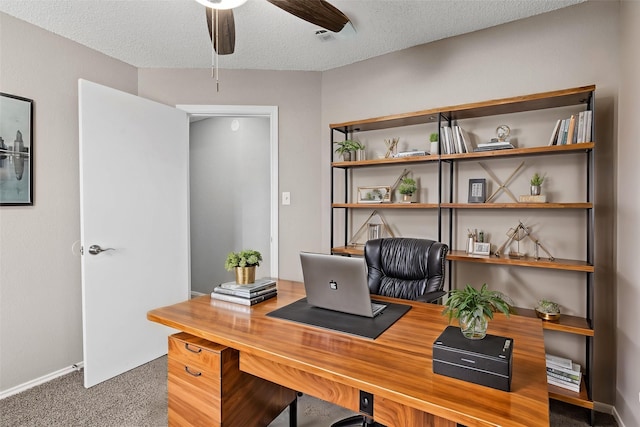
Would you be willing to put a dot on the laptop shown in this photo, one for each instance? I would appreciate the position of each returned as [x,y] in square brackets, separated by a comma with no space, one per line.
[338,283]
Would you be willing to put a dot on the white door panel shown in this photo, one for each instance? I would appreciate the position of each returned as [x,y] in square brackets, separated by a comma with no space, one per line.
[134,199]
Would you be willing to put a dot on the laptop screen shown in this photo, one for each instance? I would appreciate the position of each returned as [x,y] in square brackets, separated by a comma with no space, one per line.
[336,283]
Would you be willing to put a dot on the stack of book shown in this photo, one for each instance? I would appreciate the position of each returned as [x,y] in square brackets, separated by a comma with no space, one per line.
[253,293]
[562,372]
[454,140]
[572,130]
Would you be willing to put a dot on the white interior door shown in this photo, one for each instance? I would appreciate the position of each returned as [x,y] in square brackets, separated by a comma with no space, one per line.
[134,199]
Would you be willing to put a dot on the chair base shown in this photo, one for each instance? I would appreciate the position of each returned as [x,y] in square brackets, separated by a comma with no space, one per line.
[356,420]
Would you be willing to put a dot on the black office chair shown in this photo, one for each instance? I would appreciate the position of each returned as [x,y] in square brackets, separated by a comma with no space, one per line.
[406,268]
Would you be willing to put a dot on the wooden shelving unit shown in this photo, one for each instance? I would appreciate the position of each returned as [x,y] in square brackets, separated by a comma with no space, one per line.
[579,96]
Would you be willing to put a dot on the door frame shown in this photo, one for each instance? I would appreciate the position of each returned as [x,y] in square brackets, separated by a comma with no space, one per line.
[270,112]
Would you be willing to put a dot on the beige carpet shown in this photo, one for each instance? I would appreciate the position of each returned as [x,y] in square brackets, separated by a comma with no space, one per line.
[138,398]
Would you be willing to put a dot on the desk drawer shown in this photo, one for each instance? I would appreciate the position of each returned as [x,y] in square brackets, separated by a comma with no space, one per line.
[196,353]
[194,397]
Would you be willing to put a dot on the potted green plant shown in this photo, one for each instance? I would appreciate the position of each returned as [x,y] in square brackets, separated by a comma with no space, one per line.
[474,308]
[407,187]
[536,183]
[244,263]
[346,147]
[547,310]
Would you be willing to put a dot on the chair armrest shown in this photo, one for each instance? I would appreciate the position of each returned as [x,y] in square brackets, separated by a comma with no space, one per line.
[431,296]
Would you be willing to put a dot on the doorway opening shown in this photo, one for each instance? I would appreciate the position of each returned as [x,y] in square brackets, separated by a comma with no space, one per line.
[233,172]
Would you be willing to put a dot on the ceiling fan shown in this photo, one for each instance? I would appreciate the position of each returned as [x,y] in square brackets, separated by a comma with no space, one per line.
[222,26]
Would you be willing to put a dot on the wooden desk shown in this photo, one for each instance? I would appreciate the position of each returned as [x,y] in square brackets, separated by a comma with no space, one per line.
[396,367]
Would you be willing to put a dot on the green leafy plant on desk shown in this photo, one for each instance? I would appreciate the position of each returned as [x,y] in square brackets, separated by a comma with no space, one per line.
[474,308]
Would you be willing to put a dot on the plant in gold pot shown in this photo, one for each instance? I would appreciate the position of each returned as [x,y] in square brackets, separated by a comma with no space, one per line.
[244,263]
[474,308]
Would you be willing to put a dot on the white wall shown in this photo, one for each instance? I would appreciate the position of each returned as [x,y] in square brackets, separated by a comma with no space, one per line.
[40,291]
[627,214]
[571,47]
[230,196]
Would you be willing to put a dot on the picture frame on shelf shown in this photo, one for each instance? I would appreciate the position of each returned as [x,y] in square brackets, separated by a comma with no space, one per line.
[377,194]
[16,150]
[482,248]
[477,190]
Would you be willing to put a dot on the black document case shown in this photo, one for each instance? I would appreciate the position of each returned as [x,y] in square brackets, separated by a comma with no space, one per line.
[486,362]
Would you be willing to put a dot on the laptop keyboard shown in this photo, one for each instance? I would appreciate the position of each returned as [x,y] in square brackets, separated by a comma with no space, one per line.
[377,308]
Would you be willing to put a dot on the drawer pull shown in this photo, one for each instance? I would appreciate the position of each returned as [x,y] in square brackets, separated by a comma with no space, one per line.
[188,371]
[198,349]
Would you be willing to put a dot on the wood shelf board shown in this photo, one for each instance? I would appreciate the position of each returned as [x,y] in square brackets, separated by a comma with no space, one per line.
[557,264]
[389,161]
[539,101]
[572,205]
[391,121]
[517,104]
[526,151]
[568,396]
[348,250]
[385,205]
[566,323]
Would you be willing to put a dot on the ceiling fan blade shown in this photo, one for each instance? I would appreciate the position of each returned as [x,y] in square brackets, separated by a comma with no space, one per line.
[223,37]
[318,12]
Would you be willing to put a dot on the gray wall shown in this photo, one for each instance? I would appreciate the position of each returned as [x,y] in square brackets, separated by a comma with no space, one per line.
[230,196]
[39,277]
[627,214]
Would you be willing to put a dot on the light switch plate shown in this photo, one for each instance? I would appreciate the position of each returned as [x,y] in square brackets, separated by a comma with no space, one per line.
[286,198]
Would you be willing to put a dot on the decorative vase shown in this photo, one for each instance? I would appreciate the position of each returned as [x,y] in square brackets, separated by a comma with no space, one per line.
[406,198]
[361,155]
[472,326]
[535,190]
[245,275]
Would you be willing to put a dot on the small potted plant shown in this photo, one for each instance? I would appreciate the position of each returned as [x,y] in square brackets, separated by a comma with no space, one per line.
[407,187]
[536,183]
[244,263]
[433,138]
[547,310]
[474,308]
[346,147]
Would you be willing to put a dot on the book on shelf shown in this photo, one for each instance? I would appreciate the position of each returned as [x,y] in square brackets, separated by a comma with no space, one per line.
[563,384]
[562,362]
[573,375]
[255,286]
[447,140]
[243,300]
[245,292]
[571,129]
[564,377]
[554,134]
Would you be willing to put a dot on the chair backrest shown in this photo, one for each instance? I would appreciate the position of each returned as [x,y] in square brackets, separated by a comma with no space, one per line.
[404,267]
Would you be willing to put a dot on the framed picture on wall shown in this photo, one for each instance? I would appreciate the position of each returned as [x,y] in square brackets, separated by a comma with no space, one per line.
[16,150]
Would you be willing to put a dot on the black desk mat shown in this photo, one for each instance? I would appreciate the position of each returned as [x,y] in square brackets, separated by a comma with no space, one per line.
[301,312]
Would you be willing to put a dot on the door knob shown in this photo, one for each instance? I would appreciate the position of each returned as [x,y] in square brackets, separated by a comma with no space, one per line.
[96,249]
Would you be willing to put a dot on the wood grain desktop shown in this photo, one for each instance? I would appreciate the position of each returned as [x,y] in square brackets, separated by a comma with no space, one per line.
[396,368]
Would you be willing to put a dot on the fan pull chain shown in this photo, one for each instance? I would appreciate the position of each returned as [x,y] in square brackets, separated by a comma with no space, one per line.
[215,72]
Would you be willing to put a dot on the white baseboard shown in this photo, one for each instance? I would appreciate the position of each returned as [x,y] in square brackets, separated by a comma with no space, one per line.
[196,294]
[616,416]
[43,379]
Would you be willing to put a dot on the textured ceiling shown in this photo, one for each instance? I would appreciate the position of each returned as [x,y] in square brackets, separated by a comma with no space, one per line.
[173,33]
